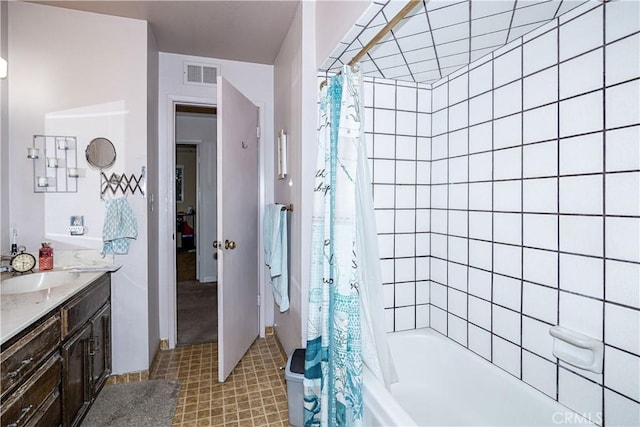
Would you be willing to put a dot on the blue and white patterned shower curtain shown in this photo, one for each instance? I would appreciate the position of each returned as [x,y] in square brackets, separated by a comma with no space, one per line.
[333,366]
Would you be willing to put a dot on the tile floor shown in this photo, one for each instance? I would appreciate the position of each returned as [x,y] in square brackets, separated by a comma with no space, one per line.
[253,395]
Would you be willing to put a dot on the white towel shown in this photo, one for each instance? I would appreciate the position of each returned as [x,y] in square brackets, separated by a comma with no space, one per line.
[275,253]
[120,226]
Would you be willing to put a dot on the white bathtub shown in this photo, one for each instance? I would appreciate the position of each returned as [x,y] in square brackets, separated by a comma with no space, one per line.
[443,384]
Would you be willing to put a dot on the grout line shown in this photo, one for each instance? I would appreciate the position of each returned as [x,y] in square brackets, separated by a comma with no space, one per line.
[513,13]
[492,195]
[522,212]
[395,212]
[433,41]
[604,208]
[415,216]
[557,396]
[430,201]
[448,285]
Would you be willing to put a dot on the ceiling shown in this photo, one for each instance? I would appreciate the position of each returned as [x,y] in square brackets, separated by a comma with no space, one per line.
[435,39]
[241,30]
[432,42]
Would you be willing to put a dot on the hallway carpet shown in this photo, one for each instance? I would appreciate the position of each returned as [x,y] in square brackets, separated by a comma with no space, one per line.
[185,265]
[197,312]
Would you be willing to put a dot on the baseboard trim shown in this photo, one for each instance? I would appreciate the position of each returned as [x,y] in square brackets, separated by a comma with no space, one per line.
[132,377]
[162,346]
[284,354]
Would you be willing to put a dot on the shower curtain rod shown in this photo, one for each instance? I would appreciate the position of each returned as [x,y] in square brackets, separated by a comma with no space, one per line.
[381,34]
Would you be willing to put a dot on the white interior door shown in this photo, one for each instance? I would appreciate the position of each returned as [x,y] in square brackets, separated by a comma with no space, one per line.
[238,287]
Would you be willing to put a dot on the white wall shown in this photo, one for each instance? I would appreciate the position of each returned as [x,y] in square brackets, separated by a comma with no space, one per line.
[295,86]
[256,82]
[333,20]
[82,74]
[535,206]
[315,31]
[526,203]
[4,133]
[399,146]
[152,190]
[309,119]
[287,88]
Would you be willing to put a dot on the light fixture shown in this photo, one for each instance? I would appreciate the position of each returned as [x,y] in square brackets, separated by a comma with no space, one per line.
[282,154]
[3,68]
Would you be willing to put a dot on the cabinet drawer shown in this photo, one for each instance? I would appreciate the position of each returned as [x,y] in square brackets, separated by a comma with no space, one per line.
[82,307]
[50,413]
[23,356]
[31,395]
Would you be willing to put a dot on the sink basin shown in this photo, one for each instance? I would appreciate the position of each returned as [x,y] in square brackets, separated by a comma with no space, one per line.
[37,282]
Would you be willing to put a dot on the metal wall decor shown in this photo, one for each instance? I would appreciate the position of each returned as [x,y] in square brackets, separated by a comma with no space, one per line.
[55,163]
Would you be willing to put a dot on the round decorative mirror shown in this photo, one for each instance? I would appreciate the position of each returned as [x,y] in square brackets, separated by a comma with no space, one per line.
[101,153]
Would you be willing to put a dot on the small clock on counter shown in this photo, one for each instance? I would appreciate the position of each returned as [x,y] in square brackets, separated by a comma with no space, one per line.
[23,262]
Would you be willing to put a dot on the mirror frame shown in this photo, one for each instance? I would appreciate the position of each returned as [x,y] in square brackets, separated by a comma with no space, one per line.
[99,143]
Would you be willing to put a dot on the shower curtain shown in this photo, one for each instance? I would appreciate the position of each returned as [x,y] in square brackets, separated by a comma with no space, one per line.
[346,313]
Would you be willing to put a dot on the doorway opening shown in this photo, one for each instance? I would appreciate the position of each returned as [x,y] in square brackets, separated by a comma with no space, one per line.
[196,269]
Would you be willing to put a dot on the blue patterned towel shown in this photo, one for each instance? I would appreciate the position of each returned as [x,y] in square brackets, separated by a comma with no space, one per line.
[275,253]
[120,226]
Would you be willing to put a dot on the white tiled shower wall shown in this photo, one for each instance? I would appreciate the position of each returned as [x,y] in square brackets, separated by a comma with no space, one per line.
[508,200]
[399,152]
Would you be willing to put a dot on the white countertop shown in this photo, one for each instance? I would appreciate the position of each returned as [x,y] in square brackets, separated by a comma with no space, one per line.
[17,311]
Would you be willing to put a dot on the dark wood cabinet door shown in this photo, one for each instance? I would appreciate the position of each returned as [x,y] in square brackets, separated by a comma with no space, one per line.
[100,348]
[75,379]
[77,312]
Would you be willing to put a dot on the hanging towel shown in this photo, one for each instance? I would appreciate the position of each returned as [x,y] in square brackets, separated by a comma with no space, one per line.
[119,228]
[275,253]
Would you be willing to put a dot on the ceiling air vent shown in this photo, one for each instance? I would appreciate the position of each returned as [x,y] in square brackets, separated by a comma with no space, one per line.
[200,74]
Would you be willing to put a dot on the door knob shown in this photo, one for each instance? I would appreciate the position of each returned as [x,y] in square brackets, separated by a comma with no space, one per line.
[229,244]
[217,244]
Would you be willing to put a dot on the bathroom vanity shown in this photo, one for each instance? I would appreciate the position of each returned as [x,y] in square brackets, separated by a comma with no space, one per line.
[56,350]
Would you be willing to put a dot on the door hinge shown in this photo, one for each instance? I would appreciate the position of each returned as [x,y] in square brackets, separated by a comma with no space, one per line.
[258,300]
[258,132]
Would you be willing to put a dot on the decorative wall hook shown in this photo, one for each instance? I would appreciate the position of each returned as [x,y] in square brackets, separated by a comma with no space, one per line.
[123,183]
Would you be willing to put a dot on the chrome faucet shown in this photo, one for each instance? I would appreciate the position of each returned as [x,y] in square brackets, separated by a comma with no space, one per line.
[5,268]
